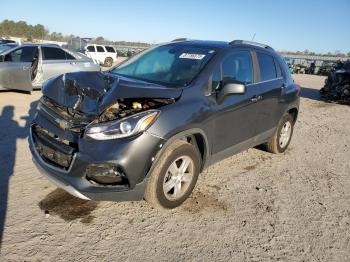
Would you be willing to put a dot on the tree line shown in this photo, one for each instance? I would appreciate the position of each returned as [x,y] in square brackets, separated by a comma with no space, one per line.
[336,53]
[10,28]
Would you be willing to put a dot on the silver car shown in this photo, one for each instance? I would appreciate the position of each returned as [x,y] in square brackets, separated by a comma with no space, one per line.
[26,67]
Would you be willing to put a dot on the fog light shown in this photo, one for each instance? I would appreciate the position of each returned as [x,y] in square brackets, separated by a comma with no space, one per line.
[105,174]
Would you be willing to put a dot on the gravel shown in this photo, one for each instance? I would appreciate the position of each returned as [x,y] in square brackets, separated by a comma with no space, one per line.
[254,206]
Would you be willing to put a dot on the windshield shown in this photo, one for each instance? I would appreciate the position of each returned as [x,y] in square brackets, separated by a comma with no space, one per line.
[5,47]
[171,64]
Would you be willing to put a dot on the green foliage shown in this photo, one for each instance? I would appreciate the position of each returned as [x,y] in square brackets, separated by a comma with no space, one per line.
[22,29]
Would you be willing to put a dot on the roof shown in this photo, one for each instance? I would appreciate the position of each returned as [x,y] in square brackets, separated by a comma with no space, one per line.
[41,44]
[201,43]
[220,44]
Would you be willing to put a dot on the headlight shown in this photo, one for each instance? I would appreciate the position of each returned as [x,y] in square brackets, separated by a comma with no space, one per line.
[125,127]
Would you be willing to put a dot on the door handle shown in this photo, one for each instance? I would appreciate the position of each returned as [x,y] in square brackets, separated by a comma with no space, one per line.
[26,67]
[73,63]
[256,98]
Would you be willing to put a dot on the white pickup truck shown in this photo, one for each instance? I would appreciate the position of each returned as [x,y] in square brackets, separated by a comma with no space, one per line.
[103,54]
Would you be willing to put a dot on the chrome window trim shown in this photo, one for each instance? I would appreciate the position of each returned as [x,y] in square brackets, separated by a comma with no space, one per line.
[260,82]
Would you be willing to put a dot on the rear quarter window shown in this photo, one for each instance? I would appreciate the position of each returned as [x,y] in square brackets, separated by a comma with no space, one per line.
[266,66]
[278,69]
[110,49]
[69,56]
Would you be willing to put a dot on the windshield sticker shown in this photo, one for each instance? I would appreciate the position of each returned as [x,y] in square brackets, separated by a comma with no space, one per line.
[192,56]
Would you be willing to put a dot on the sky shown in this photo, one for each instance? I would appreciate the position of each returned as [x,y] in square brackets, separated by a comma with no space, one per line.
[319,26]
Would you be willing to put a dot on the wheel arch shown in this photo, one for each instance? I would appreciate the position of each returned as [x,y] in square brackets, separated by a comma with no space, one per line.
[293,111]
[195,136]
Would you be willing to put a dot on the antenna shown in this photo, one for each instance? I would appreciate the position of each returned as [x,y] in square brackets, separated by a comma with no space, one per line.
[253,36]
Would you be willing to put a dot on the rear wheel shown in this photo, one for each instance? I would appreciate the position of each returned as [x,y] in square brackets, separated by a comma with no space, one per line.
[281,138]
[174,176]
[108,62]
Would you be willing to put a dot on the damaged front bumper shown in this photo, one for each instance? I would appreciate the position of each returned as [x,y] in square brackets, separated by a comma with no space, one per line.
[133,157]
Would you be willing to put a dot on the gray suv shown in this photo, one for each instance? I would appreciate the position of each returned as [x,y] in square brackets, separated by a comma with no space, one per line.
[148,127]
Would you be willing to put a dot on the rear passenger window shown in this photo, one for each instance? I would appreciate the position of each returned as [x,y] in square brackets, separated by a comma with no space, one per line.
[53,53]
[100,49]
[238,67]
[267,67]
[91,48]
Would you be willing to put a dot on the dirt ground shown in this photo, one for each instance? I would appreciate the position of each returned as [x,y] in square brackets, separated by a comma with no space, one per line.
[254,206]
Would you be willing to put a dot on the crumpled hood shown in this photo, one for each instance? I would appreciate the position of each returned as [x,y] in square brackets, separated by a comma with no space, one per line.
[93,92]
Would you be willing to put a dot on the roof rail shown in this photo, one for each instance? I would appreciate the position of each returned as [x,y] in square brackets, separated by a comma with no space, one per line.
[180,39]
[245,42]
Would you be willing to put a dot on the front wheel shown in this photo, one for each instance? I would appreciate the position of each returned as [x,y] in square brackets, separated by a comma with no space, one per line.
[281,138]
[174,176]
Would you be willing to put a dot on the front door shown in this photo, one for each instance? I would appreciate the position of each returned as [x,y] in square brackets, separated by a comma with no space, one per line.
[15,71]
[235,117]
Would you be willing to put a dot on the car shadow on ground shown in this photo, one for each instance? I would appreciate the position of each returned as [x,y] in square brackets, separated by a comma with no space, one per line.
[310,93]
[10,132]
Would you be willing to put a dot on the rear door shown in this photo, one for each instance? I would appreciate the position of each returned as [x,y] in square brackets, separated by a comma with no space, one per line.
[270,87]
[101,54]
[15,71]
[56,61]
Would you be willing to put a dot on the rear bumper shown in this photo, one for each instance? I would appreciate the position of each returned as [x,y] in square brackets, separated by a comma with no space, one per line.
[134,156]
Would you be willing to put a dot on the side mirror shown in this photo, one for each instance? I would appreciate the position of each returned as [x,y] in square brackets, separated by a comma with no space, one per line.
[230,89]
[2,58]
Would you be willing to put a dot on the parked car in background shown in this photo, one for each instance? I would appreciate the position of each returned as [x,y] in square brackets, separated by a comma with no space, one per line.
[148,127]
[326,68]
[104,54]
[6,46]
[7,41]
[27,66]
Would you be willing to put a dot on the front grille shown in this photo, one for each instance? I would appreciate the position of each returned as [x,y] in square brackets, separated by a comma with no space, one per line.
[53,149]
[63,117]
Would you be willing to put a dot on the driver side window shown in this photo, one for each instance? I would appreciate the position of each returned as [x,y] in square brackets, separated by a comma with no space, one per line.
[23,54]
[238,67]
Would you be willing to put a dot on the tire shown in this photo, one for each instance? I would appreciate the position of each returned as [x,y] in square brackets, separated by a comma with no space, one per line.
[275,144]
[108,62]
[162,176]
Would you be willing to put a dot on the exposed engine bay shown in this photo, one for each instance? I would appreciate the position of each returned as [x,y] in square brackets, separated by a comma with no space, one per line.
[122,108]
[127,107]
[74,100]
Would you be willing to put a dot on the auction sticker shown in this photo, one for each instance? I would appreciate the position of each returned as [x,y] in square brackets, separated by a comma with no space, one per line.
[192,56]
